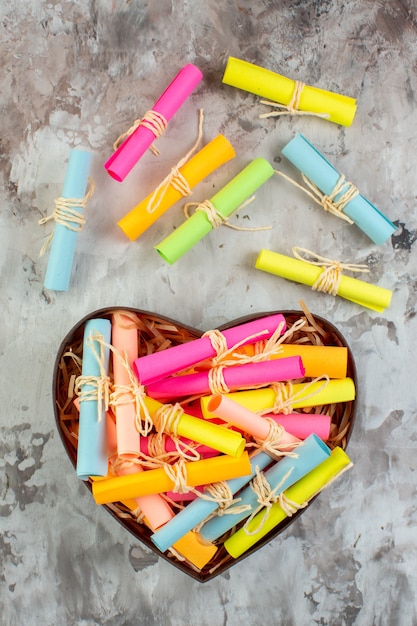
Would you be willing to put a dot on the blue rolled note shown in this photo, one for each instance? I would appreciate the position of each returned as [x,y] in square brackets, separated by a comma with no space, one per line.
[92,452]
[310,453]
[62,250]
[323,175]
[199,509]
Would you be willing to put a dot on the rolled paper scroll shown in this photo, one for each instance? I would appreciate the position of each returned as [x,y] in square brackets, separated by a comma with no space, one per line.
[249,422]
[315,167]
[157,365]
[206,161]
[92,450]
[195,549]
[300,396]
[317,360]
[69,222]
[148,446]
[302,425]
[357,291]
[222,439]
[222,204]
[276,88]
[236,377]
[158,480]
[135,145]
[125,342]
[299,494]
[280,477]
[199,509]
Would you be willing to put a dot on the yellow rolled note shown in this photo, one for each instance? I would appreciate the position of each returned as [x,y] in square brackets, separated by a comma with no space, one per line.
[368,295]
[142,216]
[218,437]
[300,493]
[267,84]
[304,395]
[212,470]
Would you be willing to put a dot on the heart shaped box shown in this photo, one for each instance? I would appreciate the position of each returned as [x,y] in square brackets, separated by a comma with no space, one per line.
[342,421]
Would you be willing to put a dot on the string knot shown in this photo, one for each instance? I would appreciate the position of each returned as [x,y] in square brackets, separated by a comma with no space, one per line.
[265,496]
[329,280]
[273,445]
[153,121]
[293,107]
[178,474]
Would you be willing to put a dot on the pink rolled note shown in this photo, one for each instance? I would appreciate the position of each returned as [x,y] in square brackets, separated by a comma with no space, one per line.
[249,422]
[125,342]
[303,425]
[236,377]
[184,497]
[158,365]
[205,452]
[133,147]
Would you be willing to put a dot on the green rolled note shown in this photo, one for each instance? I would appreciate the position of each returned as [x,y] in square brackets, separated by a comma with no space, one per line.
[225,202]
[301,492]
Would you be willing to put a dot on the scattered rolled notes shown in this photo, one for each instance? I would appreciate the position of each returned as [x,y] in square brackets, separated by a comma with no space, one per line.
[214,212]
[333,192]
[293,96]
[311,274]
[153,124]
[204,162]
[69,221]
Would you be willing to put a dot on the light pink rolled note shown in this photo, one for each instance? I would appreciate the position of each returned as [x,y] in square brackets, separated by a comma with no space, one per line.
[249,422]
[133,147]
[303,425]
[125,342]
[236,377]
[158,365]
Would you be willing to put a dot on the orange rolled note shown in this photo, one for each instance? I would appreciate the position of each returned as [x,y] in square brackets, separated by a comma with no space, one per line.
[208,159]
[149,482]
[125,342]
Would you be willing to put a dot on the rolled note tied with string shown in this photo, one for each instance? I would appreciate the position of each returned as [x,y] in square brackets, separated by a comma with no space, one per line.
[327,187]
[283,397]
[144,131]
[156,446]
[325,275]
[158,365]
[93,389]
[266,487]
[216,211]
[295,497]
[69,221]
[177,477]
[223,379]
[302,425]
[171,419]
[215,495]
[293,97]
[177,185]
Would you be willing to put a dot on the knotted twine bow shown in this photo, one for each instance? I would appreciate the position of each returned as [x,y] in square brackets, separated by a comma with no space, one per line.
[153,121]
[292,108]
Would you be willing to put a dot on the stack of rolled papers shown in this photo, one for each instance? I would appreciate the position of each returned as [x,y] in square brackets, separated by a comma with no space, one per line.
[229,422]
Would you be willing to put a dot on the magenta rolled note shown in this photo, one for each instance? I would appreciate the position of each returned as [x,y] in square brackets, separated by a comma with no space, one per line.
[302,425]
[147,448]
[158,365]
[233,378]
[247,421]
[132,149]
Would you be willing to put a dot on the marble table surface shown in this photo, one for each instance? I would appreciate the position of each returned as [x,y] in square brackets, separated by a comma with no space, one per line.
[76,74]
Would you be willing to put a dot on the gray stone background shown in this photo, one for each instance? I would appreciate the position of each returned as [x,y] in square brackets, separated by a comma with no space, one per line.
[77,74]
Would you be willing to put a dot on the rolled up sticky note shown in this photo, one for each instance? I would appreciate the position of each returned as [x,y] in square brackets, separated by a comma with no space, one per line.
[92,450]
[302,425]
[125,342]
[222,439]
[224,202]
[195,549]
[133,147]
[148,445]
[267,84]
[206,161]
[357,291]
[199,509]
[280,476]
[308,160]
[236,377]
[300,493]
[153,481]
[157,365]
[64,240]
[302,395]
